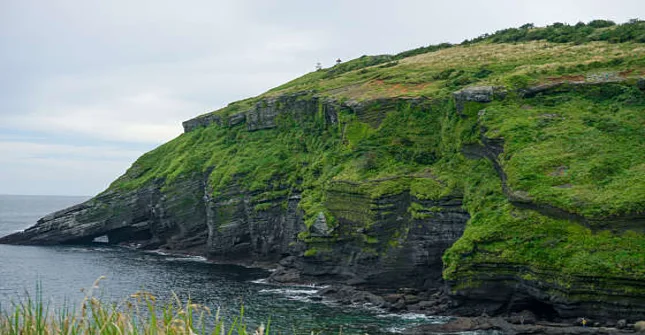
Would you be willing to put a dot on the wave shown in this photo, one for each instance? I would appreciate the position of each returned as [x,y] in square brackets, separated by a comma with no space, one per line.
[289,291]
[158,252]
[263,281]
[200,259]
[292,293]
[312,285]
[401,329]
[173,257]
[417,317]
[394,329]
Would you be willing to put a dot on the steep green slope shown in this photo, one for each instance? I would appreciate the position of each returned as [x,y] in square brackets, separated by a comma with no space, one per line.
[589,139]
[538,133]
[580,150]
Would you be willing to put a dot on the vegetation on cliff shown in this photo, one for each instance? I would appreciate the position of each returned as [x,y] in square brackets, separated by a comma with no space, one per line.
[563,199]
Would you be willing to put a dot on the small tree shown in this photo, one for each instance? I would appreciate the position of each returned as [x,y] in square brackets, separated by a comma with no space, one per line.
[318,66]
[601,23]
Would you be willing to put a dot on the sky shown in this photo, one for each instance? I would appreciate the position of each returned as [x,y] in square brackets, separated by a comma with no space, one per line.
[87,86]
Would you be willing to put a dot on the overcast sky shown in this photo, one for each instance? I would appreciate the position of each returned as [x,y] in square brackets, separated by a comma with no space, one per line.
[87,86]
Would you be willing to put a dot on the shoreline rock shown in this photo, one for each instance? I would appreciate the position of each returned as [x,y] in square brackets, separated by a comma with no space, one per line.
[463,324]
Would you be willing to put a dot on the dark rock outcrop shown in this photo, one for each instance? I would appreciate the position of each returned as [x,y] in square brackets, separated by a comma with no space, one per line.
[183,218]
[240,233]
[477,94]
[396,250]
[641,84]
[503,288]
[457,325]
[264,113]
[345,294]
[174,220]
[204,121]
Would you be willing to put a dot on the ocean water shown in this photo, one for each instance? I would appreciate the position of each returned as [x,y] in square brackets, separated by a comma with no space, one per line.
[62,271]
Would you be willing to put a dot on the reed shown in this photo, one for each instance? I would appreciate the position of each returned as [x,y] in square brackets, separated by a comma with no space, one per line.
[139,313]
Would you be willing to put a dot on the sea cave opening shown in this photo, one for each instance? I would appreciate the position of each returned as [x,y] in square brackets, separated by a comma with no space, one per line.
[542,310]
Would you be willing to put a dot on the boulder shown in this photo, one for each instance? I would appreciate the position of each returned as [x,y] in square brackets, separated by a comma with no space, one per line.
[411,299]
[622,323]
[320,228]
[641,84]
[473,94]
[639,327]
[350,295]
[392,298]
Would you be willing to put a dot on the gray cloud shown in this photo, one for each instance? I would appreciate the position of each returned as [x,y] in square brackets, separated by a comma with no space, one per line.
[120,76]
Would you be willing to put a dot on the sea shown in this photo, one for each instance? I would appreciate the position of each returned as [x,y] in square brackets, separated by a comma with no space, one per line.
[64,275]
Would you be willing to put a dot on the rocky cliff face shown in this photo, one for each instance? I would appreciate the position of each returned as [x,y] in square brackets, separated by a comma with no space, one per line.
[173,219]
[237,232]
[395,249]
[375,233]
[183,216]
[264,113]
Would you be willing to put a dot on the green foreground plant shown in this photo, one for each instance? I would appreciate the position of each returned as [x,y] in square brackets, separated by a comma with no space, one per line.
[140,313]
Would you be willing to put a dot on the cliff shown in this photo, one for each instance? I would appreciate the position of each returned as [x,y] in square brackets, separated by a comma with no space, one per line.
[512,176]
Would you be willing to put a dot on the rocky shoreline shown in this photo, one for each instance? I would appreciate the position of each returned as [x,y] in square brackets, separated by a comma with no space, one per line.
[513,325]
[438,303]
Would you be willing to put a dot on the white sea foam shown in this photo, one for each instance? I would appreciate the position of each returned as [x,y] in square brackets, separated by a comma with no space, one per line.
[264,281]
[288,291]
[291,293]
[79,249]
[311,285]
[178,257]
[158,252]
[394,329]
[416,317]
[103,249]
[200,259]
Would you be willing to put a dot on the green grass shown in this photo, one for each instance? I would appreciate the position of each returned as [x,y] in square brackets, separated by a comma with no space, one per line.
[501,233]
[140,313]
[578,151]
[366,68]
[440,72]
